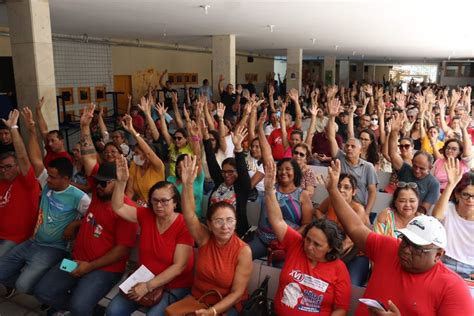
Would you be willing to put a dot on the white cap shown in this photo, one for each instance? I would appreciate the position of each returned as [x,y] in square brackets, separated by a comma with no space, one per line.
[425,230]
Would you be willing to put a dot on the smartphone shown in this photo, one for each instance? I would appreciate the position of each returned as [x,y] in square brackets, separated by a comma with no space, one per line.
[68,265]
[373,303]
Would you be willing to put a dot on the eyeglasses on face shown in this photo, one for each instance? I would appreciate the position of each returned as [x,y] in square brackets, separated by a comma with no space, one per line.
[6,167]
[414,248]
[404,146]
[466,196]
[452,148]
[229,221]
[346,187]
[178,138]
[411,185]
[164,202]
[299,153]
[226,172]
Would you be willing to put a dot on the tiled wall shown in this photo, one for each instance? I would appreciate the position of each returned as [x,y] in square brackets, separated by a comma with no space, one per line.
[83,65]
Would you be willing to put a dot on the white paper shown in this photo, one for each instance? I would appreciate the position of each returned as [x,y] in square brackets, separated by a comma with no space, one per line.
[372,303]
[142,274]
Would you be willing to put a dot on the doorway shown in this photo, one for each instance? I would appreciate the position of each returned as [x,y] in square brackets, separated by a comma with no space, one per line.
[123,83]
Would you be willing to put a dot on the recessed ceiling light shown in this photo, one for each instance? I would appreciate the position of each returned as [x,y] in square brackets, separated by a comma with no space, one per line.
[271,27]
[353,53]
[336,47]
[313,40]
[205,7]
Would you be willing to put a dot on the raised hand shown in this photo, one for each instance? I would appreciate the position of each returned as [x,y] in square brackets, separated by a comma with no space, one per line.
[293,93]
[313,110]
[40,103]
[186,113]
[334,107]
[194,129]
[12,119]
[334,171]
[262,118]
[189,170]
[453,170]
[122,169]
[160,108]
[174,97]
[145,105]
[465,121]
[127,124]
[221,78]
[204,130]
[220,110]
[87,115]
[271,90]
[396,123]
[28,117]
[238,136]
[270,175]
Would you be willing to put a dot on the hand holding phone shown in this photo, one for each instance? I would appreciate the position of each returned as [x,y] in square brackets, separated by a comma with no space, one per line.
[68,265]
[373,303]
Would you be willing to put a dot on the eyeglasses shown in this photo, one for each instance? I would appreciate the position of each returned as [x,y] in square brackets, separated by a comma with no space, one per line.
[346,187]
[226,172]
[414,248]
[452,148]
[466,196]
[103,183]
[229,221]
[404,146]
[164,202]
[178,138]
[411,185]
[410,116]
[110,153]
[6,167]
[299,153]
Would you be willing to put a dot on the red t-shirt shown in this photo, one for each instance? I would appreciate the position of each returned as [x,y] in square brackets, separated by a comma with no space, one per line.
[19,202]
[52,155]
[276,142]
[304,290]
[101,230]
[138,123]
[438,291]
[156,250]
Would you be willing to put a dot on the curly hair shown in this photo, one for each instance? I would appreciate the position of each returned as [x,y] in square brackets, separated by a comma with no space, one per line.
[333,233]
[372,151]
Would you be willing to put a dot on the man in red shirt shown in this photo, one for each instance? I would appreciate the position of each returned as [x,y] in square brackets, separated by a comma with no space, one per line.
[408,276]
[19,191]
[102,245]
[54,140]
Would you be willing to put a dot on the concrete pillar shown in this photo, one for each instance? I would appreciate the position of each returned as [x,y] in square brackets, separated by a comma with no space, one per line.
[294,68]
[32,52]
[359,71]
[329,70]
[223,60]
[344,73]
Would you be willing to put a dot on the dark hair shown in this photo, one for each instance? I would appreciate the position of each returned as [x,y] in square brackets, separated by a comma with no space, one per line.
[372,151]
[7,155]
[182,131]
[453,140]
[407,188]
[424,153]
[298,175]
[178,160]
[407,139]
[58,133]
[215,206]
[168,185]
[4,126]
[333,233]
[351,178]
[229,161]
[307,149]
[114,145]
[63,165]
[299,132]
[217,138]
[466,180]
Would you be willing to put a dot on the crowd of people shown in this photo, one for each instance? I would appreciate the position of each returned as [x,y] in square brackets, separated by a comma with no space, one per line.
[143,186]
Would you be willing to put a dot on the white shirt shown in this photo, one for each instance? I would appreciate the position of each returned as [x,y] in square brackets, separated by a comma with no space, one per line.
[460,234]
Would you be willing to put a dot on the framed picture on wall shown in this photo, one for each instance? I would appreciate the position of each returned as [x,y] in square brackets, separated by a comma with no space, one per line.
[100,94]
[84,94]
[67,94]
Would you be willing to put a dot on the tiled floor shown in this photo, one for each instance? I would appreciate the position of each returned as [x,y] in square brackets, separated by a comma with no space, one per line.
[19,305]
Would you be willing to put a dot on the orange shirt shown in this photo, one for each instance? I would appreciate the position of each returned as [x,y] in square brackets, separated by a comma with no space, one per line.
[215,268]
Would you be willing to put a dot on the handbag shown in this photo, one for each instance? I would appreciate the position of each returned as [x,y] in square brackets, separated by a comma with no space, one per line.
[188,305]
[257,304]
[151,298]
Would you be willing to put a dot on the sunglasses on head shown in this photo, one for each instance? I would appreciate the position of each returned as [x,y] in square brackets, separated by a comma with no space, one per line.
[411,185]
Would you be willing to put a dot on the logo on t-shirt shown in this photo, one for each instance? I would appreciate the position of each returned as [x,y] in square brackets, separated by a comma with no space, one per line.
[97,227]
[301,294]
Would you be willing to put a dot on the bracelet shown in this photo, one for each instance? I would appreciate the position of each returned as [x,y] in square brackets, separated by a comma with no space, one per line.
[137,135]
[214,310]
[13,126]
[196,138]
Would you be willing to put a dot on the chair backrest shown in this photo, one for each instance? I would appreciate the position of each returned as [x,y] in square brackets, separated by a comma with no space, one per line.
[384,179]
[382,201]
[255,281]
[356,293]
[253,213]
[274,274]
[319,170]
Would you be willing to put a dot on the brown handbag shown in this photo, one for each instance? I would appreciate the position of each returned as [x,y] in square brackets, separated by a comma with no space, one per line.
[188,305]
[151,298]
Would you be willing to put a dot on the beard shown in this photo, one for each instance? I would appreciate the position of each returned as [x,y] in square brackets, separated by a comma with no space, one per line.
[103,196]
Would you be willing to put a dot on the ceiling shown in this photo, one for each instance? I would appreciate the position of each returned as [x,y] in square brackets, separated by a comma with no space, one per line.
[359,29]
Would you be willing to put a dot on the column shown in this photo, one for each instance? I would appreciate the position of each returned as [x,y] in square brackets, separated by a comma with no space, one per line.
[223,60]
[32,52]
[359,71]
[329,70]
[344,73]
[294,68]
